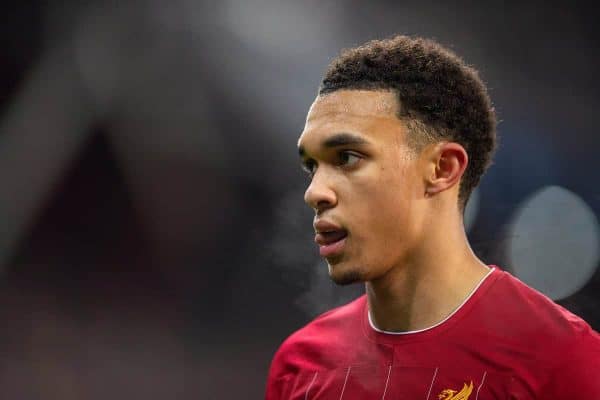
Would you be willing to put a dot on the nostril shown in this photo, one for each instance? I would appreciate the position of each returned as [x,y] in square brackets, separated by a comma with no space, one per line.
[323,204]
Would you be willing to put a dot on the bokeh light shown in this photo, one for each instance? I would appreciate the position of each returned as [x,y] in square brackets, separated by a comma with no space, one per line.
[554,242]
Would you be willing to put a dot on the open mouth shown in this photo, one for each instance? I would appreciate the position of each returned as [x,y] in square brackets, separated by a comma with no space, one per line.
[331,242]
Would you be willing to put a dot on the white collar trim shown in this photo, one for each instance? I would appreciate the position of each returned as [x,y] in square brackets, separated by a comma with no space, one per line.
[439,323]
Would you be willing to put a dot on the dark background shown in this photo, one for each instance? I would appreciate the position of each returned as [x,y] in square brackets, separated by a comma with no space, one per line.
[153,238]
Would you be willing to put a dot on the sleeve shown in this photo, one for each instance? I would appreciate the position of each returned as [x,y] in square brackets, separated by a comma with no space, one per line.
[277,378]
[578,375]
[276,388]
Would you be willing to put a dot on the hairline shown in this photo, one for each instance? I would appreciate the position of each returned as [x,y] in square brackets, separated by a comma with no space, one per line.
[421,134]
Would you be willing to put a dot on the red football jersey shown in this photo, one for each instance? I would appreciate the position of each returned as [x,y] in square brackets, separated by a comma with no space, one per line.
[506,341]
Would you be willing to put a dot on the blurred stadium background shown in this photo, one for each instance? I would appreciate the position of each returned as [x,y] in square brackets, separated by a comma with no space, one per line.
[153,239]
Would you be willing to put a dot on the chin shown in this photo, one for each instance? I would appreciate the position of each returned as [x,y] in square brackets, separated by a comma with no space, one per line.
[344,275]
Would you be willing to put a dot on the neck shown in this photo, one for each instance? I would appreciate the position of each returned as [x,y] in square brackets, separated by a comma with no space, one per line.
[425,290]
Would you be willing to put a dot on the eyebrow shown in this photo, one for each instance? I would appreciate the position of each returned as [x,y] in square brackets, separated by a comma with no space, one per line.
[339,139]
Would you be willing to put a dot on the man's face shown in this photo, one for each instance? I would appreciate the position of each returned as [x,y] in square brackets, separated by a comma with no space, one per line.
[366,188]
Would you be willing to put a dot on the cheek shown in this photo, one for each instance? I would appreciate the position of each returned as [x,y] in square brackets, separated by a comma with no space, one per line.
[388,216]
[390,195]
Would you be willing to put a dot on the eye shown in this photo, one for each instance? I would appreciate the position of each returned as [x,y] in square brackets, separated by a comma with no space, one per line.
[348,158]
[310,167]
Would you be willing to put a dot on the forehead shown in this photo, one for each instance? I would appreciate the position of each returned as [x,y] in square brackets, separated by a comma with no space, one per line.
[366,112]
[364,103]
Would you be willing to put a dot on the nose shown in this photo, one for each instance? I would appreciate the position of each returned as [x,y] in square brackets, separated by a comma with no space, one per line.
[320,195]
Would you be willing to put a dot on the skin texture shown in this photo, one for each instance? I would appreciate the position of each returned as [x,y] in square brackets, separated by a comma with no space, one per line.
[406,238]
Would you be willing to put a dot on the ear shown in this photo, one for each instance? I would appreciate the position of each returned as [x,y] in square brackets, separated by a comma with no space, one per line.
[447,162]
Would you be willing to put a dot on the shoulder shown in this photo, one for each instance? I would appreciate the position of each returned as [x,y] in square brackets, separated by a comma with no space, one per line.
[578,370]
[523,316]
[327,333]
[530,312]
[553,351]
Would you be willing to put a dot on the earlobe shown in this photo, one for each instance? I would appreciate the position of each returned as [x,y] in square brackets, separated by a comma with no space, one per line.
[449,161]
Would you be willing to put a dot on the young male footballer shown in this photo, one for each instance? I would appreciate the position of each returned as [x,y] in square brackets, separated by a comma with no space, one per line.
[395,142]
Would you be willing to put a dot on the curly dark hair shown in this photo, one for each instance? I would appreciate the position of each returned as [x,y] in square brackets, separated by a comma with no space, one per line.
[441,98]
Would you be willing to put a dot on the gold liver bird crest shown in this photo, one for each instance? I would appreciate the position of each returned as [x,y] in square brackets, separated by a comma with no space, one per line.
[449,394]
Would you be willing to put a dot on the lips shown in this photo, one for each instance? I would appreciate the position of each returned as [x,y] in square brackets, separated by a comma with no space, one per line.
[330,237]
[326,238]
